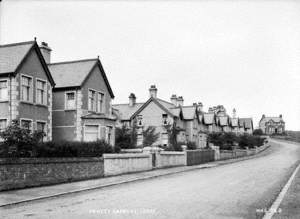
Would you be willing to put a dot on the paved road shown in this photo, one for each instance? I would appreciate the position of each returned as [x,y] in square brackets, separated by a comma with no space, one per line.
[234,190]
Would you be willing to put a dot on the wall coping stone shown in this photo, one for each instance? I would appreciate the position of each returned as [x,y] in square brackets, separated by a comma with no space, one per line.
[172,153]
[125,156]
[45,160]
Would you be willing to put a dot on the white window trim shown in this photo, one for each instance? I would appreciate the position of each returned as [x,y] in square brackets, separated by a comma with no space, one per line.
[46,127]
[4,119]
[6,80]
[103,102]
[67,92]
[26,119]
[91,124]
[31,99]
[36,89]
[96,96]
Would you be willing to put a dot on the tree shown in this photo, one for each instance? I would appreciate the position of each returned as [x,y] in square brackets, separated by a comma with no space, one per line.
[258,132]
[173,131]
[126,137]
[20,141]
[150,136]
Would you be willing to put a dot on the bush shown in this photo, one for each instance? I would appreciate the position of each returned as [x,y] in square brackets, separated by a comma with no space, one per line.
[250,141]
[126,138]
[150,136]
[258,132]
[225,141]
[191,145]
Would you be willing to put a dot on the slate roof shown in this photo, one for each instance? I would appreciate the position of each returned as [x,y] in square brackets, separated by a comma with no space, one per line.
[234,122]
[188,112]
[74,73]
[246,123]
[209,118]
[223,120]
[275,119]
[125,111]
[11,55]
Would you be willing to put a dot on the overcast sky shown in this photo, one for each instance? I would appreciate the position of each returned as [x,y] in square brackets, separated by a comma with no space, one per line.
[240,54]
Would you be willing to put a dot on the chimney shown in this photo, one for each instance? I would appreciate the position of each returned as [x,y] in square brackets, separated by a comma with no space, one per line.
[46,52]
[153,91]
[200,107]
[174,99]
[263,116]
[210,110]
[132,99]
[280,116]
[234,113]
[180,101]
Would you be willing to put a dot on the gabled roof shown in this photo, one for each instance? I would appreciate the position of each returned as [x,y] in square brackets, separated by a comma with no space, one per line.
[208,118]
[75,73]
[13,55]
[234,122]
[125,111]
[188,112]
[161,103]
[246,123]
[223,120]
[275,119]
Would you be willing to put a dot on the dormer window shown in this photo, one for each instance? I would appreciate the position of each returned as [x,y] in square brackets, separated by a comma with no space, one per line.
[165,119]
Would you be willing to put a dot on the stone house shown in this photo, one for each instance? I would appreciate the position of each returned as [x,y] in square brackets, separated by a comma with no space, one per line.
[160,114]
[82,102]
[26,87]
[272,125]
[246,125]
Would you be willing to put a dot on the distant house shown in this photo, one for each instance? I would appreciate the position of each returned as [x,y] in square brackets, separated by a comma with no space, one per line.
[82,102]
[161,114]
[25,87]
[272,125]
[246,125]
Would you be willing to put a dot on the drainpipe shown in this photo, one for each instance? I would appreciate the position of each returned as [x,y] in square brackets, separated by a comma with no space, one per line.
[10,99]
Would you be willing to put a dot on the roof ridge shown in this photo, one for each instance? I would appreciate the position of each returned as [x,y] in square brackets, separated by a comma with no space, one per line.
[17,44]
[164,101]
[73,61]
[126,103]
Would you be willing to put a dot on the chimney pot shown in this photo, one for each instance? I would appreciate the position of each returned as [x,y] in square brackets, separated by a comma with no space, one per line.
[46,51]
[153,91]
[174,99]
[132,99]
[180,101]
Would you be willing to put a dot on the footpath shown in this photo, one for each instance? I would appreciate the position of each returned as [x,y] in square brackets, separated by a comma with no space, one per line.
[13,197]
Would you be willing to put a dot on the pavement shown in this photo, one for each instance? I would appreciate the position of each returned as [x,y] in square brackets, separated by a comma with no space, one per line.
[240,189]
[290,205]
[13,197]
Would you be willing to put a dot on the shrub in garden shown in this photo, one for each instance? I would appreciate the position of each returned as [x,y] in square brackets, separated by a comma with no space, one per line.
[258,132]
[149,136]
[191,145]
[125,137]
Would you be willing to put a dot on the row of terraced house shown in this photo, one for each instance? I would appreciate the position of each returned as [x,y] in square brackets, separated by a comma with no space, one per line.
[72,101]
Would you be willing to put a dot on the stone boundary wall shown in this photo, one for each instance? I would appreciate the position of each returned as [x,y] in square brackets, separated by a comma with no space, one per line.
[170,159]
[17,173]
[195,157]
[134,150]
[115,164]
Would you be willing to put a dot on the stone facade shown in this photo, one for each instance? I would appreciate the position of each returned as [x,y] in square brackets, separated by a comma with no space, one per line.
[28,172]
[272,125]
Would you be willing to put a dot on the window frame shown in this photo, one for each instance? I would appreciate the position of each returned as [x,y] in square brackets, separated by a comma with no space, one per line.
[45,99]
[100,94]
[94,109]
[4,100]
[26,119]
[66,95]
[46,127]
[91,124]
[31,88]
[6,122]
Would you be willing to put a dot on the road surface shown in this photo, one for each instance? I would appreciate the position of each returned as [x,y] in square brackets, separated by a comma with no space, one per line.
[237,190]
